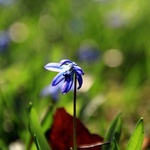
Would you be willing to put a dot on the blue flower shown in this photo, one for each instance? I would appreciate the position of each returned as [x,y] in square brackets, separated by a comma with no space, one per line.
[51,91]
[67,69]
[88,53]
[4,41]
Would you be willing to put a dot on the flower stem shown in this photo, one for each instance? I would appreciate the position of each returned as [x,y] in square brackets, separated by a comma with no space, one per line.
[74,116]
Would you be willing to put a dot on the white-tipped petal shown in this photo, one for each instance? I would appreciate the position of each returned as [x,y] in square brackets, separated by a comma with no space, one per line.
[55,67]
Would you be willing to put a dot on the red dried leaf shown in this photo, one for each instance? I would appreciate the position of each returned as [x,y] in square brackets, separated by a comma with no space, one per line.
[60,137]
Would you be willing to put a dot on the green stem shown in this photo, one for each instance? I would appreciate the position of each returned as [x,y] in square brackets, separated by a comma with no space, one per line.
[74,116]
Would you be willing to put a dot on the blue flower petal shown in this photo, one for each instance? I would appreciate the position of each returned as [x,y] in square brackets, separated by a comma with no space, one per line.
[80,80]
[67,84]
[58,78]
[64,61]
[79,70]
[55,67]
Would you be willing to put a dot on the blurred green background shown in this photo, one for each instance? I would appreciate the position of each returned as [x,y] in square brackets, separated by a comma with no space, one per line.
[109,39]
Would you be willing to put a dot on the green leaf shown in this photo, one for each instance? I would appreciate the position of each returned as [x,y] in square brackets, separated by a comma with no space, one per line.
[36,130]
[47,119]
[114,131]
[3,145]
[136,139]
[116,146]
[36,142]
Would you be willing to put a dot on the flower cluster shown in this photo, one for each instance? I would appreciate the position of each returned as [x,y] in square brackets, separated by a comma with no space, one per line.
[67,69]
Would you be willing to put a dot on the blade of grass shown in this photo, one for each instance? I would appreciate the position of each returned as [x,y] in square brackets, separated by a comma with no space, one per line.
[36,142]
[136,139]
[47,119]
[114,131]
[116,146]
[36,131]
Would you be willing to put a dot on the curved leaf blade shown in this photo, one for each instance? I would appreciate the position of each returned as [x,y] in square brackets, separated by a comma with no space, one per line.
[114,131]
[36,130]
[116,146]
[137,137]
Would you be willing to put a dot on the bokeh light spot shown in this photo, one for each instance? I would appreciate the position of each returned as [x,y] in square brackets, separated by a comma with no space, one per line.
[17,145]
[46,21]
[18,32]
[113,58]
[87,85]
